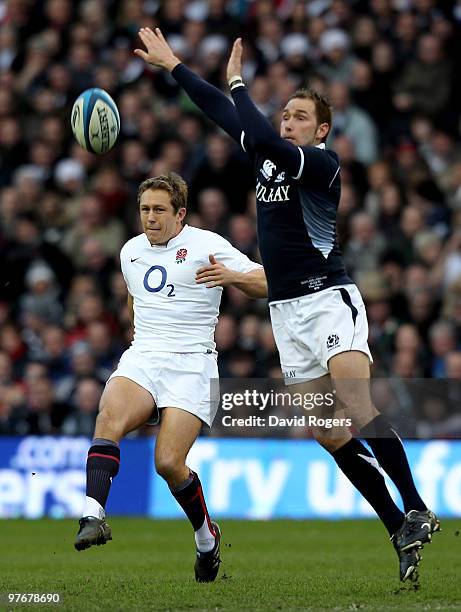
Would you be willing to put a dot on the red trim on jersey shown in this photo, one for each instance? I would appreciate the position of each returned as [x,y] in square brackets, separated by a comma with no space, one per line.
[106,456]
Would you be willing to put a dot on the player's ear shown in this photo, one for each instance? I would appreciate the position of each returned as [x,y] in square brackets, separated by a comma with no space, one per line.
[181,213]
[322,130]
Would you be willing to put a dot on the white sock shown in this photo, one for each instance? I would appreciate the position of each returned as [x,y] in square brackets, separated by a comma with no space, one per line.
[204,539]
[93,508]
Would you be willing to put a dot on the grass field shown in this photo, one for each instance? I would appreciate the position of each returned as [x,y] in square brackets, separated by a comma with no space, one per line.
[277,565]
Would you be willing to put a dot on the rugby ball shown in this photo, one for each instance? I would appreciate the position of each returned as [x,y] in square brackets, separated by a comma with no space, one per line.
[95,121]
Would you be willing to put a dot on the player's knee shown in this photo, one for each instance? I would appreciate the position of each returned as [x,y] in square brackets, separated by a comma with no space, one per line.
[168,466]
[360,412]
[332,444]
[107,424]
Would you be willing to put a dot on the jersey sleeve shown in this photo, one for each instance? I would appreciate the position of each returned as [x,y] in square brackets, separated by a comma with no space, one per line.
[246,145]
[259,136]
[317,165]
[231,257]
[124,266]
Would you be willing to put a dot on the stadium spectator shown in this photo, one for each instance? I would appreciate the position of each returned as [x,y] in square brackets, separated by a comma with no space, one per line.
[453,365]
[338,63]
[213,210]
[42,296]
[12,395]
[105,349]
[42,413]
[92,222]
[425,82]
[85,404]
[242,234]
[354,123]
[27,246]
[365,245]
[442,335]
[55,353]
[95,262]
[222,170]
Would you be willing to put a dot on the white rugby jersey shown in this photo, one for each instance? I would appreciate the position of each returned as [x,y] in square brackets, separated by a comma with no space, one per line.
[172,312]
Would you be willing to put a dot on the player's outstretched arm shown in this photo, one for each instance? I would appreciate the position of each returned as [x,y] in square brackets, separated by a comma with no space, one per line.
[130,308]
[207,97]
[258,131]
[252,283]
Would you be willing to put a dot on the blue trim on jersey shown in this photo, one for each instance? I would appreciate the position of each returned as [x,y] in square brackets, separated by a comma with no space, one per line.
[320,222]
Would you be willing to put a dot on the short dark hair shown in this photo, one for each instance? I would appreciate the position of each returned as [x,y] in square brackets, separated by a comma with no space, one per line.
[172,183]
[323,108]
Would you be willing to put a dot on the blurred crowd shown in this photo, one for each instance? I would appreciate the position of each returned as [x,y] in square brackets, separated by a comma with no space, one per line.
[389,68]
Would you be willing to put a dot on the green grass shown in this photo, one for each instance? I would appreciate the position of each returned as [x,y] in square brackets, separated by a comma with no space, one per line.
[276,565]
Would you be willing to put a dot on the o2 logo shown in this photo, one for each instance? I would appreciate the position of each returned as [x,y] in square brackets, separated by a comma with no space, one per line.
[161,285]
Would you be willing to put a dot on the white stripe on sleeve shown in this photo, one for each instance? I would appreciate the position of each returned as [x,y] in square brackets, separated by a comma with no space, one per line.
[242,136]
[301,167]
[336,174]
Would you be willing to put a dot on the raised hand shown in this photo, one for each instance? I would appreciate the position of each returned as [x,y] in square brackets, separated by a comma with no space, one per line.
[234,66]
[158,52]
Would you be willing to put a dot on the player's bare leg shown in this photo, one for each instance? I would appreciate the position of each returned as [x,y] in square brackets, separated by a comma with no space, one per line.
[178,431]
[124,406]
[350,374]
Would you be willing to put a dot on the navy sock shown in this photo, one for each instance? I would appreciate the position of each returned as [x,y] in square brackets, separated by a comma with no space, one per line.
[388,450]
[359,465]
[101,466]
[190,497]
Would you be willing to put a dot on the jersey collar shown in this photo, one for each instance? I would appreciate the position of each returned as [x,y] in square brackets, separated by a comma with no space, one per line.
[172,242]
[320,145]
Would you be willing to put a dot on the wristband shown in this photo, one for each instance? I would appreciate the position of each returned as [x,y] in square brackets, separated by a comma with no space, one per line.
[236,77]
[236,81]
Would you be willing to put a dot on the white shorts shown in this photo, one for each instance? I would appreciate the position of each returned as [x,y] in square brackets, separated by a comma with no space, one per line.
[311,329]
[178,380]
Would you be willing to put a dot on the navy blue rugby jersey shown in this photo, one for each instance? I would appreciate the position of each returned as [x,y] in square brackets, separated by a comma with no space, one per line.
[296,219]
[297,192]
